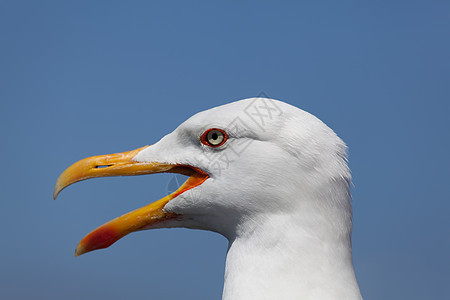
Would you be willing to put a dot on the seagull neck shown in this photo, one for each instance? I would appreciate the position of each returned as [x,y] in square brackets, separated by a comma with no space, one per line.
[279,257]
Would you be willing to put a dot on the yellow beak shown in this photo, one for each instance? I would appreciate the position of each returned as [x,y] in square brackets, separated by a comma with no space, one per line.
[123,164]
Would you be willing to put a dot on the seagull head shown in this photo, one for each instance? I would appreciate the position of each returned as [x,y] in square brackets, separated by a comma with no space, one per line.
[246,162]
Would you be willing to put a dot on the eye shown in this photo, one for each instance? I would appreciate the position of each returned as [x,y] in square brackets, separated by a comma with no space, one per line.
[214,137]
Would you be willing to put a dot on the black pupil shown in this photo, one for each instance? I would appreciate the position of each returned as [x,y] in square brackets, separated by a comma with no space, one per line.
[215,136]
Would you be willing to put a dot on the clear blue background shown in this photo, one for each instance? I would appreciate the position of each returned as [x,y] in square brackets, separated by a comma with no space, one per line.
[80,78]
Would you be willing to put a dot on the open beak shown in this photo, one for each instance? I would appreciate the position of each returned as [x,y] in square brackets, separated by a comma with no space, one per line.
[123,164]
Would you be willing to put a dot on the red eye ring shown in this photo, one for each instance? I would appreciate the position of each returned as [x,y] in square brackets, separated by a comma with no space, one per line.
[214,137]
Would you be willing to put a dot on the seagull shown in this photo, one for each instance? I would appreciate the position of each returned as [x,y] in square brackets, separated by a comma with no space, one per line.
[270,177]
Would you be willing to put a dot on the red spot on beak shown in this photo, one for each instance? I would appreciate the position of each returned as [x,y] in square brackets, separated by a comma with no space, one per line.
[101,238]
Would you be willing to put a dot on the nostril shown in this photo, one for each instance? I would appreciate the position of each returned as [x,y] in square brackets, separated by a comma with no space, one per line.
[102,166]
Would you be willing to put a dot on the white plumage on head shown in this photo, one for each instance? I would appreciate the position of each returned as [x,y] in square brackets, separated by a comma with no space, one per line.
[279,191]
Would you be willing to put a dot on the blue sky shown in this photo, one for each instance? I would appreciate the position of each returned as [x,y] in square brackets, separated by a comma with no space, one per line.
[85,78]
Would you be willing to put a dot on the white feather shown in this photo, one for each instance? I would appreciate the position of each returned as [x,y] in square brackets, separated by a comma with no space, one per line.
[278,191]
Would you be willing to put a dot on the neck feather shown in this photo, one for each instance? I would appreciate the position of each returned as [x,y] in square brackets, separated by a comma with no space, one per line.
[301,254]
